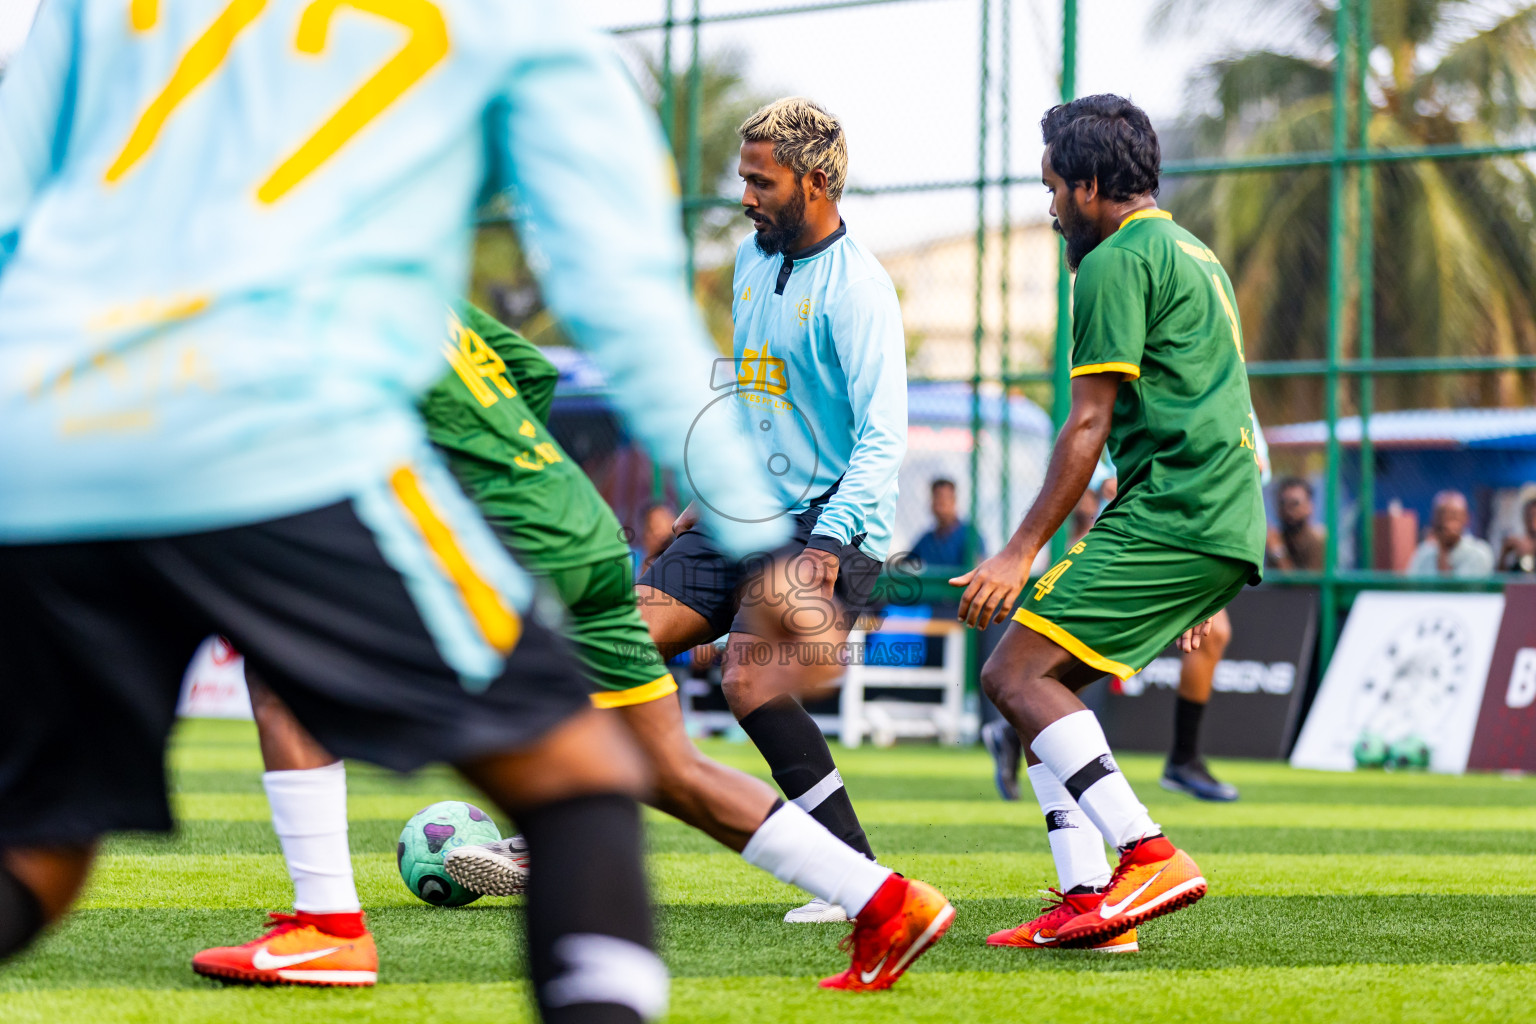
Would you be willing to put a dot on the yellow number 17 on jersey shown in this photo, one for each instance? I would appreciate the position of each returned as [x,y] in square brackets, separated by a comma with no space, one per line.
[426,45]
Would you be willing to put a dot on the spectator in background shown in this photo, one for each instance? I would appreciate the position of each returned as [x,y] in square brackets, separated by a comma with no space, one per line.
[1519,552]
[1298,544]
[1449,550]
[945,543]
[655,534]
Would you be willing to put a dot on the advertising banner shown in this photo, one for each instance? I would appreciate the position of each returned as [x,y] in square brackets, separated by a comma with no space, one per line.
[1506,727]
[1405,685]
[214,686]
[1256,693]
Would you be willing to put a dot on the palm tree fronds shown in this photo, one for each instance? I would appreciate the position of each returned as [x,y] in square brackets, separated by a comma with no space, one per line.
[1492,73]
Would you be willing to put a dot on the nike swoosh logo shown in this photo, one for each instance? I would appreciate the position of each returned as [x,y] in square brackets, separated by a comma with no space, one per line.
[868,977]
[1109,910]
[1041,940]
[264,961]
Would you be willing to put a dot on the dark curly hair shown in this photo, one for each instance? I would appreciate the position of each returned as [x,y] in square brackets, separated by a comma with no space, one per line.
[1105,138]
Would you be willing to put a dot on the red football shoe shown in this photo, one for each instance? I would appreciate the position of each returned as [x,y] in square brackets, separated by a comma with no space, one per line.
[1060,907]
[902,920]
[297,950]
[1153,878]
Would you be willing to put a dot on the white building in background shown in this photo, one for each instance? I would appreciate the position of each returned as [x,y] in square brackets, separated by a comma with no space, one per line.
[937,284]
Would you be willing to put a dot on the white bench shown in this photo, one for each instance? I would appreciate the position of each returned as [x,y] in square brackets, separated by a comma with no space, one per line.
[888,719]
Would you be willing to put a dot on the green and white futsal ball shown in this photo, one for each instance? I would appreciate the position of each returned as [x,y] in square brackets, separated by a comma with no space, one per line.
[1370,751]
[426,840]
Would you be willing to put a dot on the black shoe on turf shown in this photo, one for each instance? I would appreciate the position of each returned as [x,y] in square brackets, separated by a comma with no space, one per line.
[1003,744]
[1195,779]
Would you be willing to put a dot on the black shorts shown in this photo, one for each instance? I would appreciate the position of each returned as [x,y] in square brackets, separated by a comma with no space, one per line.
[692,570]
[365,626]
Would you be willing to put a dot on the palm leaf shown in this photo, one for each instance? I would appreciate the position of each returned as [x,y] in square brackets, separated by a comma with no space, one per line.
[1492,72]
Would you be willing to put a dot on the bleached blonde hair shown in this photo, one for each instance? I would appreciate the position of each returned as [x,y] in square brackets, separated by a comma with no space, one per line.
[805,138]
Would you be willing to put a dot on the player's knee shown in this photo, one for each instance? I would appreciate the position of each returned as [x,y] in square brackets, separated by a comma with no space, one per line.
[996,679]
[589,754]
[741,686]
[1220,634]
[21,914]
[36,888]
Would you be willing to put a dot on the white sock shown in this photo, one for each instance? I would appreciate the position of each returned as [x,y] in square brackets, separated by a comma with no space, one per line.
[1075,750]
[309,812]
[794,847]
[1076,846]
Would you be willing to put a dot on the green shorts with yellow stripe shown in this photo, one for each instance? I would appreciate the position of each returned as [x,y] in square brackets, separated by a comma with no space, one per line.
[1116,601]
[610,638]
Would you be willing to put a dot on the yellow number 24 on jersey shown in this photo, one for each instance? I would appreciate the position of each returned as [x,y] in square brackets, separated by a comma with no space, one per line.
[426,45]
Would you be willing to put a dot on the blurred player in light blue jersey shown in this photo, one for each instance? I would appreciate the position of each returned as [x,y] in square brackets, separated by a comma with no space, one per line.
[228,229]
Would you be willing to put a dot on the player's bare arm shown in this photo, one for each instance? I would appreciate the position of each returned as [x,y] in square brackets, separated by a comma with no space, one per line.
[993,586]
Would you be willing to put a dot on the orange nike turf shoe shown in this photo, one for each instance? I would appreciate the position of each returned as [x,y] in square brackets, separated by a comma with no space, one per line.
[296,951]
[903,920]
[1060,908]
[1153,878]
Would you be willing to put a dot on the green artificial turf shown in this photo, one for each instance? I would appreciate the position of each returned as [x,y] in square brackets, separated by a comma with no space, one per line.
[1355,898]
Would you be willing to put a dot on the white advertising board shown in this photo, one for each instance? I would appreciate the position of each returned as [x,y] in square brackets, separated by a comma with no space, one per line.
[1407,665]
[214,686]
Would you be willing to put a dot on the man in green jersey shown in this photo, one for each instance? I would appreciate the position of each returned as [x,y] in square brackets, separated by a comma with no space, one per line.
[489,418]
[1157,372]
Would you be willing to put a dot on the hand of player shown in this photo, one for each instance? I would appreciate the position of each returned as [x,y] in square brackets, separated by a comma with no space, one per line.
[815,571]
[992,587]
[1190,640]
[686,520]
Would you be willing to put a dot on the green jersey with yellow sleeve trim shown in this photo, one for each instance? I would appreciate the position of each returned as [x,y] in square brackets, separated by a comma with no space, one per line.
[1153,304]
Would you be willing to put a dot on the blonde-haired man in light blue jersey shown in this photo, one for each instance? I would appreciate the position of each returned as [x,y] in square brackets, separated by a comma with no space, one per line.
[228,229]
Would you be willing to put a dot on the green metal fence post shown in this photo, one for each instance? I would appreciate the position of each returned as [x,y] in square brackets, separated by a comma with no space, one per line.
[1005,244]
[1328,633]
[979,333]
[1365,270]
[693,172]
[1061,374]
[973,637]
[668,90]
[669,126]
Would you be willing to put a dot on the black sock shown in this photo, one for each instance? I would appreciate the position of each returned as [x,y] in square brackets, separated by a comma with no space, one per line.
[797,753]
[590,940]
[1186,731]
[21,915]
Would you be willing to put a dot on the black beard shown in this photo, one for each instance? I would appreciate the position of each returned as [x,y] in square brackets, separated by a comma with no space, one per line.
[1081,240]
[788,226]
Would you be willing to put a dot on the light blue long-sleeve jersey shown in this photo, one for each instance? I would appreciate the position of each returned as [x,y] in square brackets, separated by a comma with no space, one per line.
[822,371]
[229,228]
